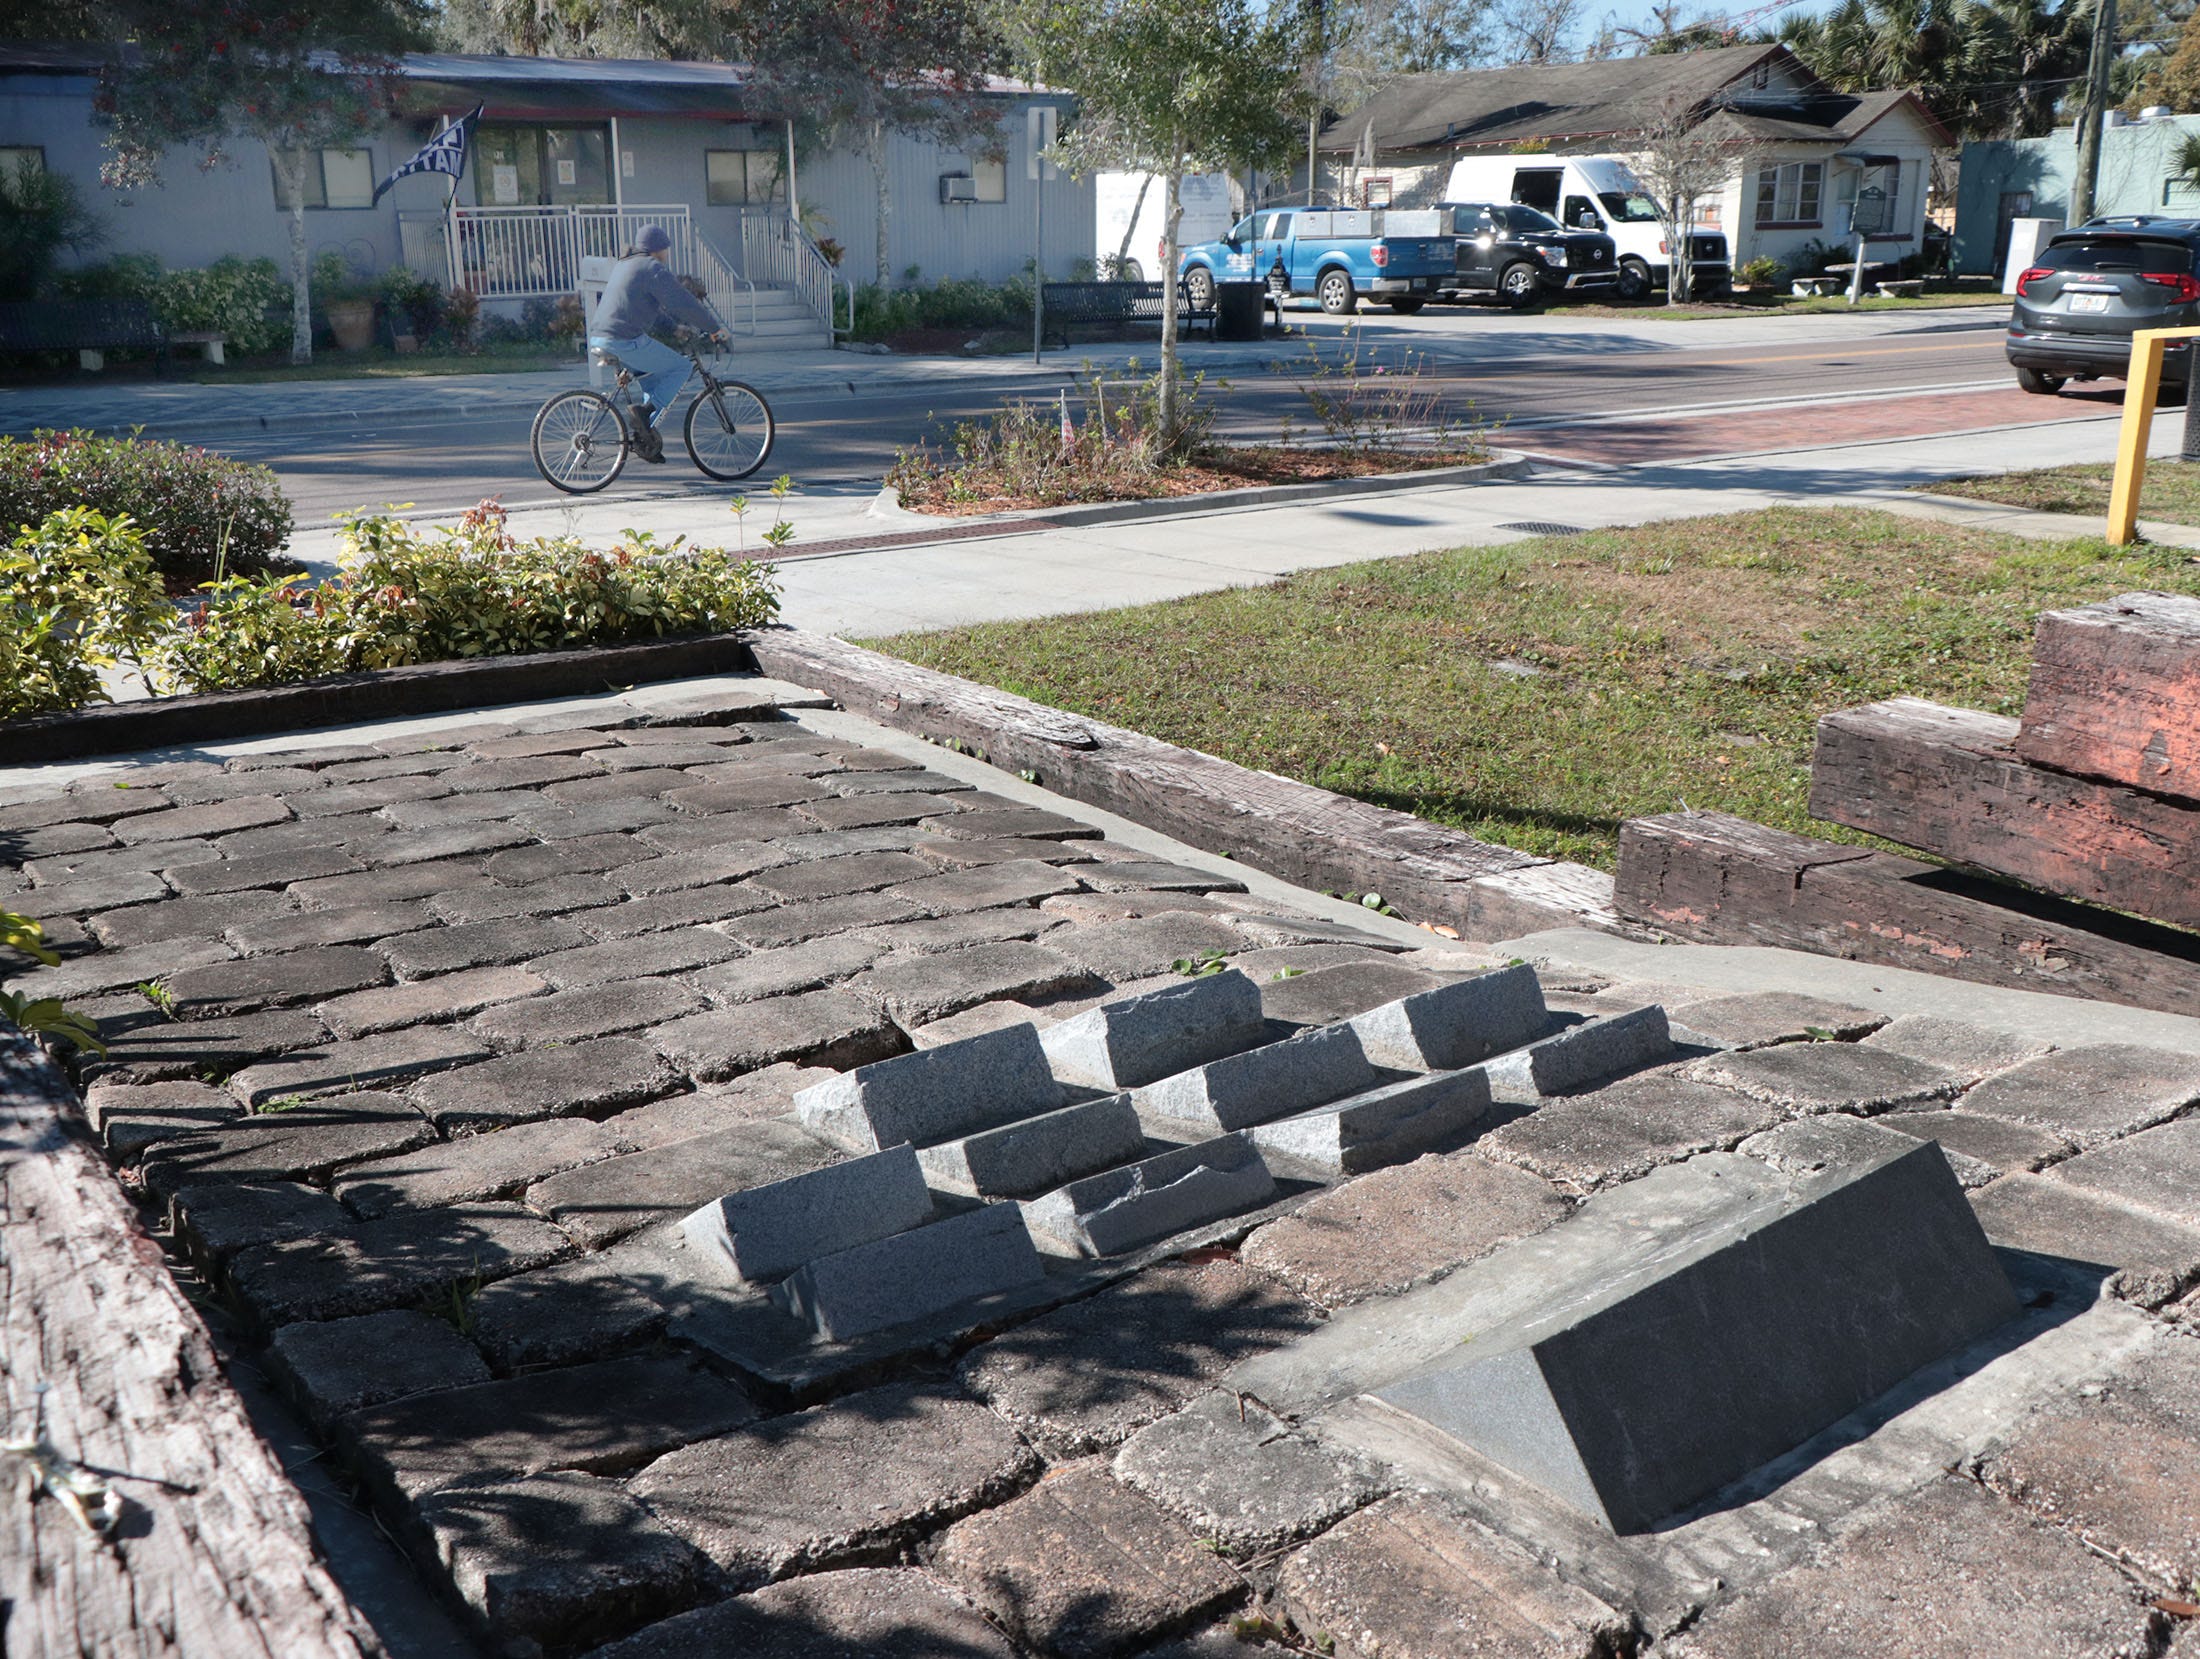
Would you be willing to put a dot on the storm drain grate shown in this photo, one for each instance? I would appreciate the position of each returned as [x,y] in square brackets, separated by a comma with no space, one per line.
[1537,527]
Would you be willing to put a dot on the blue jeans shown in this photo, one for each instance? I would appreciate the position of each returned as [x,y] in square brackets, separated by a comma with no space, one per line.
[658,369]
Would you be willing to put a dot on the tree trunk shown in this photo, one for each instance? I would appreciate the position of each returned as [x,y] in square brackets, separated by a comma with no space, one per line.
[1680,281]
[293,164]
[1172,212]
[875,150]
[1122,254]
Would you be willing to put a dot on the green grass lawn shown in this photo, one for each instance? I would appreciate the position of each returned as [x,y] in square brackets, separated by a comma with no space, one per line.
[1540,693]
[2170,491]
[1787,305]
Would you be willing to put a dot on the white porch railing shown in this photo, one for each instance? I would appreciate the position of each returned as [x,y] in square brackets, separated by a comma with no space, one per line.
[778,252]
[519,253]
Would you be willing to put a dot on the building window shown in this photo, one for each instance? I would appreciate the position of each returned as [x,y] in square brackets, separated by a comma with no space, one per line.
[989,176]
[743,178]
[1789,194]
[1375,192]
[334,178]
[540,166]
[15,157]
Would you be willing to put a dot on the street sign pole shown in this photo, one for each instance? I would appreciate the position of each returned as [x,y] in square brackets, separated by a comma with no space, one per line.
[1039,131]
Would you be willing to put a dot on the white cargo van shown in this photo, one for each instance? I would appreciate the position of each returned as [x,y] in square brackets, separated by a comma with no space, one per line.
[1594,193]
[1205,198]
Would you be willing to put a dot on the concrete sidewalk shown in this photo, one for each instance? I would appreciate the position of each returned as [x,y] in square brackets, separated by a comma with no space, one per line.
[204,412]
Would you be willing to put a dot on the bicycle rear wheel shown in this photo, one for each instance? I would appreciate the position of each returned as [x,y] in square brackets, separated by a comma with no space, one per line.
[729,430]
[579,442]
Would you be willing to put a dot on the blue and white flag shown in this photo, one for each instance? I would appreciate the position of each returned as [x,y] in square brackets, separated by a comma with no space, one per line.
[444,153]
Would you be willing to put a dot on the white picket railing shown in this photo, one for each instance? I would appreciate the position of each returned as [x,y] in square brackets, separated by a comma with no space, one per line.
[779,253]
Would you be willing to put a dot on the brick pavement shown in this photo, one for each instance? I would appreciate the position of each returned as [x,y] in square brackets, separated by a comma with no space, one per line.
[435,1072]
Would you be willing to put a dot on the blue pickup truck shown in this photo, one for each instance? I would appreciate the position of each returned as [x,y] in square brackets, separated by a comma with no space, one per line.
[1399,256]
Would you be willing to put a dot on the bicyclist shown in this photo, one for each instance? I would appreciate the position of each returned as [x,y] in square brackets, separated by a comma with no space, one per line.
[642,292]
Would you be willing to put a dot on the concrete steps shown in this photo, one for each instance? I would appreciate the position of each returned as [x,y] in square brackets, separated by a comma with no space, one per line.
[781,323]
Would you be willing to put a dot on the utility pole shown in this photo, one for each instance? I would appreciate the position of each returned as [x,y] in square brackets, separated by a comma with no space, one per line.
[2093,112]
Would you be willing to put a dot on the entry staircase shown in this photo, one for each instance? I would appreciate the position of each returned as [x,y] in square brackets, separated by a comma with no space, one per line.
[778,296]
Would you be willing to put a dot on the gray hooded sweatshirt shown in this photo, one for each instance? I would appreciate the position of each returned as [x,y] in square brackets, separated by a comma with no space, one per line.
[641,290]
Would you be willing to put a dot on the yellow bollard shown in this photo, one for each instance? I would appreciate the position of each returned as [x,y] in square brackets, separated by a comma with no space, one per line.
[2140,389]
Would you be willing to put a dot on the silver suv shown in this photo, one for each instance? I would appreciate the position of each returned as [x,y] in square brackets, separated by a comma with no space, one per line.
[2093,288]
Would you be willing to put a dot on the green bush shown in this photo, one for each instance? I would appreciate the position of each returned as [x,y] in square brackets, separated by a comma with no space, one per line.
[78,593]
[246,301]
[468,591]
[201,514]
[952,302]
[1761,272]
[41,214]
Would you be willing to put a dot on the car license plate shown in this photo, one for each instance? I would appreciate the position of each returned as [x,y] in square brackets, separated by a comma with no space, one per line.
[2089,302]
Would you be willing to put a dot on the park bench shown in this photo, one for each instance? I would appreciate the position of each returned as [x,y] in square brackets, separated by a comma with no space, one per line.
[1114,305]
[1909,288]
[92,328]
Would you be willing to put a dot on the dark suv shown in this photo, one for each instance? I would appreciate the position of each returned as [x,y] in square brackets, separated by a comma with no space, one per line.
[1520,253]
[2093,288]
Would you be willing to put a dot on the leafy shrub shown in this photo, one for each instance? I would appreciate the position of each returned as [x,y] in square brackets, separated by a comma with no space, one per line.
[199,513]
[78,593]
[246,301]
[465,591]
[42,214]
[461,317]
[41,1016]
[1761,272]
[952,302]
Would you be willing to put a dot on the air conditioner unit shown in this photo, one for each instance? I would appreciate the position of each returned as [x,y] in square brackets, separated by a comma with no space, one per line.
[958,187]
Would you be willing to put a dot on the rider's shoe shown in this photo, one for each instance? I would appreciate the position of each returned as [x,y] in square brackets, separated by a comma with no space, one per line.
[649,445]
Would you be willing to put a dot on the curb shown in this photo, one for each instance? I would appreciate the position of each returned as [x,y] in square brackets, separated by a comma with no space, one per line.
[1504,463]
[376,694]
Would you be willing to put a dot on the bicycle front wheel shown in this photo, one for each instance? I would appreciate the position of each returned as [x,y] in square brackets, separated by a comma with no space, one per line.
[579,442]
[729,430]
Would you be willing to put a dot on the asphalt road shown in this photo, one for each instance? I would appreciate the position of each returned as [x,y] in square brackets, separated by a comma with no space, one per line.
[843,433]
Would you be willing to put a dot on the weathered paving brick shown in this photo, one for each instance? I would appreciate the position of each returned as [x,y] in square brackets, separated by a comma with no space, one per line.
[1993,1143]
[2092,1095]
[448,808]
[116,970]
[1149,875]
[1232,1472]
[342,1364]
[2157,1169]
[225,988]
[1088,1375]
[305,929]
[1326,995]
[344,834]
[381,1061]
[875,1612]
[637,958]
[701,867]
[130,1117]
[885,781]
[221,818]
[1404,1578]
[792,924]
[1955,1573]
[525,745]
[2112,1463]
[369,795]
[945,933]
[607,1200]
[444,950]
[81,898]
[1381,1233]
[932,987]
[389,1007]
[988,886]
[964,855]
[1828,1077]
[493,1165]
[238,874]
[980,821]
[1626,1129]
[220,1218]
[1146,946]
[546,1082]
[804,967]
[557,821]
[445,841]
[817,843]
[2154,1259]
[692,834]
[817,1487]
[688,907]
[746,795]
[83,806]
[582,855]
[57,839]
[403,757]
[833,1027]
[825,878]
[231,783]
[646,784]
[547,1420]
[1971,1051]
[561,1315]
[415,881]
[620,759]
[484,901]
[521,772]
[560,1561]
[1760,1019]
[306,1141]
[1051,1566]
[401,1259]
[865,811]
[592,1011]
[152,1049]
[107,861]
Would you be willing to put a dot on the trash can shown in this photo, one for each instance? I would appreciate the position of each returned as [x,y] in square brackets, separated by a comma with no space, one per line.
[1238,309]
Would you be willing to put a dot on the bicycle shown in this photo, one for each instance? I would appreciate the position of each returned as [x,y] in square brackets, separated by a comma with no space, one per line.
[581,439]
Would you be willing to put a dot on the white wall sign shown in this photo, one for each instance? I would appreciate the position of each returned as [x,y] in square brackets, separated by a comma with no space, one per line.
[568,171]
[504,184]
[626,163]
